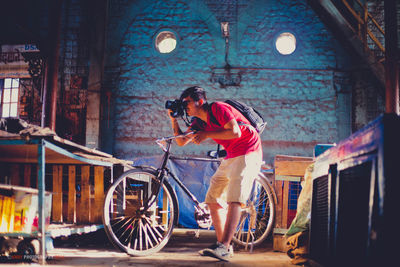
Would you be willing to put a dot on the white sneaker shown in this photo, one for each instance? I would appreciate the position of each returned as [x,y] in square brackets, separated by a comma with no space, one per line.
[213,246]
[219,251]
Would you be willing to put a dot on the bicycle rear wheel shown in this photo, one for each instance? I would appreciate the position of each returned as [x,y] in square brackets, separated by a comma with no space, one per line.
[256,220]
[129,226]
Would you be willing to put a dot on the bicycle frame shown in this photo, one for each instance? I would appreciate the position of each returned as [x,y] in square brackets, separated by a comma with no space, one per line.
[166,157]
[163,171]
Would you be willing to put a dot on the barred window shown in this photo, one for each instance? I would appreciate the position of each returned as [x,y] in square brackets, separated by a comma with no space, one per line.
[9,97]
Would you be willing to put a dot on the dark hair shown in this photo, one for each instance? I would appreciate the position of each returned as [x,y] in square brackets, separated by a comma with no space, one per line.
[195,92]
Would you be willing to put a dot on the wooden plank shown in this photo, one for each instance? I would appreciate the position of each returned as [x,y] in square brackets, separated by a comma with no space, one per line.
[18,153]
[84,207]
[27,175]
[292,158]
[354,13]
[285,204]
[279,243]
[288,178]
[21,188]
[376,41]
[57,230]
[376,24]
[36,172]
[278,191]
[291,165]
[14,174]
[56,210]
[294,168]
[3,175]
[97,211]
[83,148]
[165,207]
[71,217]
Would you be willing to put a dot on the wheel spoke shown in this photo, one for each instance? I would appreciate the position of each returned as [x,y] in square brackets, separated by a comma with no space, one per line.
[118,219]
[157,232]
[241,225]
[123,225]
[127,228]
[141,235]
[128,240]
[150,229]
[148,240]
[135,245]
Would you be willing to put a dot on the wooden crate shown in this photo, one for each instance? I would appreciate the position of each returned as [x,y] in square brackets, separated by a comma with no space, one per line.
[289,172]
[68,204]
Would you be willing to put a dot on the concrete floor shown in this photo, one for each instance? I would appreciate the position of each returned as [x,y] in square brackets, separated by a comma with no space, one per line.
[181,250]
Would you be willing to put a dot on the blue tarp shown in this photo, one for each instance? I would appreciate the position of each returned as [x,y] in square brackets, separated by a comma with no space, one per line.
[195,175]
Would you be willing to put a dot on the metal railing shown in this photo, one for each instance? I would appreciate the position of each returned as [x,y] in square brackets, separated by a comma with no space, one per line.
[371,34]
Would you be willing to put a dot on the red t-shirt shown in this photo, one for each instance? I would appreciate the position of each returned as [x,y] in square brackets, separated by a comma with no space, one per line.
[248,142]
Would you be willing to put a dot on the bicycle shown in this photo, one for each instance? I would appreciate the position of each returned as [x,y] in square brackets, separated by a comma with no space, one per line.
[141,208]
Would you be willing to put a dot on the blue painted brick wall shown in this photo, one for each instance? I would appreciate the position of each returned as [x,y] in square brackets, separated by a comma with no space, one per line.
[297,94]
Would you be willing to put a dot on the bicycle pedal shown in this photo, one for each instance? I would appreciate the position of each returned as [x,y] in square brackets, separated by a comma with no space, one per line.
[197,233]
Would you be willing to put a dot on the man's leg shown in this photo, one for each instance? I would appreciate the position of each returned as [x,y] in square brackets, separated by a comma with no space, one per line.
[218,216]
[243,171]
[232,220]
[216,191]
[222,249]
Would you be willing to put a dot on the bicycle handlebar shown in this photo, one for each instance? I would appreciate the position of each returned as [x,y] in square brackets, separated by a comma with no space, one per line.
[168,138]
[173,137]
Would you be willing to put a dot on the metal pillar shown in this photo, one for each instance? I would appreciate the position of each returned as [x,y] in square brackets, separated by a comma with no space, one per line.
[41,200]
[52,62]
[391,58]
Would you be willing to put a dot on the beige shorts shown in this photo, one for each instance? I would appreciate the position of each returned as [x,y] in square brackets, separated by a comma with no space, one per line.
[233,179]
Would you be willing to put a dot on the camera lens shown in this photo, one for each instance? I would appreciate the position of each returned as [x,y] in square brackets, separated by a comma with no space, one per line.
[169,104]
[176,107]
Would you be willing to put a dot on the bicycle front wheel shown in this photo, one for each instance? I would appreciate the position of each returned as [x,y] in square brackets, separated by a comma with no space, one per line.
[131,227]
[256,220]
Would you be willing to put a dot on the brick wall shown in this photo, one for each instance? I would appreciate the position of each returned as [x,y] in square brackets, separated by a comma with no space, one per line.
[305,97]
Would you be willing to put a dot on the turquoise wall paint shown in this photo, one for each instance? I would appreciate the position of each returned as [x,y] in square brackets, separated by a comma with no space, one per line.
[297,94]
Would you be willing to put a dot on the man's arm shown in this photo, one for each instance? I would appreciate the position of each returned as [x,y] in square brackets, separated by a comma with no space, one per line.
[177,131]
[231,130]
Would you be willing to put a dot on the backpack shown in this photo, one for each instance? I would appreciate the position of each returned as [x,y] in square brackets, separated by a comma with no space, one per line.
[252,115]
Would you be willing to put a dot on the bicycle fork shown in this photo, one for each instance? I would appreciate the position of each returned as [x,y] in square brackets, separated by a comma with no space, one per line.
[153,190]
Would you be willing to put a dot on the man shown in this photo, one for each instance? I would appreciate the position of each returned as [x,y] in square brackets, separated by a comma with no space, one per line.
[231,184]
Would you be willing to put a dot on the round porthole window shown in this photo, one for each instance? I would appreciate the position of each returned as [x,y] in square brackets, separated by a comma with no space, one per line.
[285,43]
[165,42]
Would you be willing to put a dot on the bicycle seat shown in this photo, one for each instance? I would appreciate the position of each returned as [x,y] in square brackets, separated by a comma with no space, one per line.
[216,154]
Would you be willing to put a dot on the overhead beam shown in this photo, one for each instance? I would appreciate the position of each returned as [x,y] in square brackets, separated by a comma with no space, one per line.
[328,10]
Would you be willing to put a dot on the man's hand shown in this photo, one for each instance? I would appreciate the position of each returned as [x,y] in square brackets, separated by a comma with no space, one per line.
[199,137]
[169,115]
[177,131]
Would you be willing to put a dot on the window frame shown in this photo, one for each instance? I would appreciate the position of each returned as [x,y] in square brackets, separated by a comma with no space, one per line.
[279,34]
[155,45]
[10,102]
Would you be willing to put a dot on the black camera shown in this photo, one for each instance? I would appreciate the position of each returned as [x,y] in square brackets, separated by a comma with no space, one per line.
[176,107]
